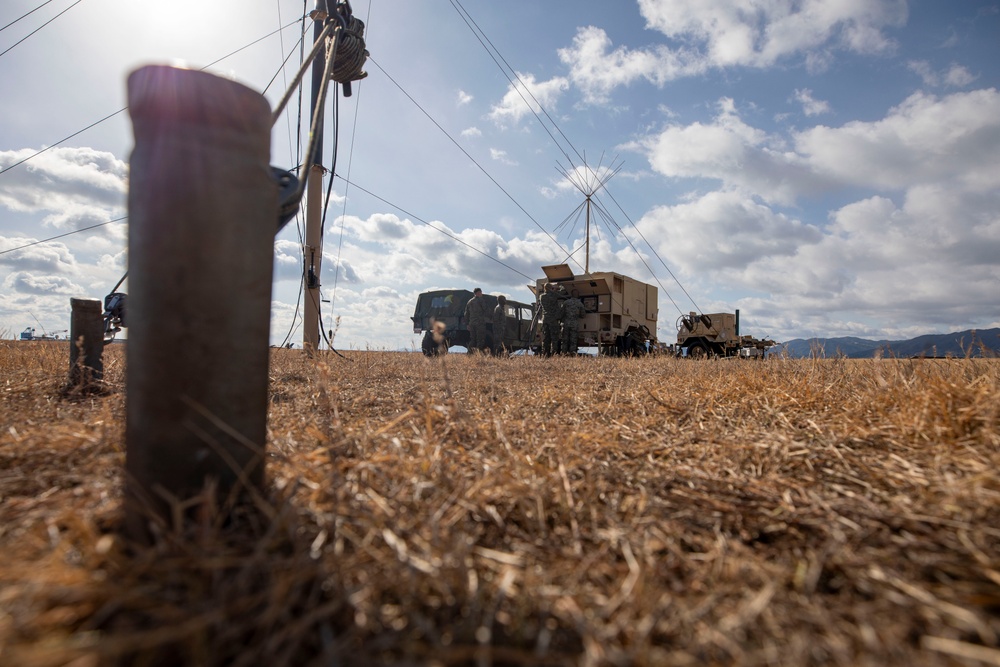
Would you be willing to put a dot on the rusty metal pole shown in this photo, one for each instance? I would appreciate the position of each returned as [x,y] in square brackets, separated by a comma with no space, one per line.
[86,337]
[202,214]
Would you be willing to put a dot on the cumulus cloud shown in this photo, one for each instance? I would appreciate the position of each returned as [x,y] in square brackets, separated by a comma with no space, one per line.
[955,76]
[919,244]
[287,260]
[597,69]
[925,139]
[810,105]
[463,98]
[41,285]
[52,257]
[732,151]
[729,33]
[342,271]
[71,187]
[501,156]
[525,96]
[894,263]
[723,230]
[433,252]
[471,132]
[958,77]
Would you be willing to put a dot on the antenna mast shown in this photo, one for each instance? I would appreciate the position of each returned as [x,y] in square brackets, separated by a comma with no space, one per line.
[588,181]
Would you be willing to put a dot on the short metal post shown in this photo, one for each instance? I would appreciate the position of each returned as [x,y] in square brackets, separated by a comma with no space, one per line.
[86,337]
[202,214]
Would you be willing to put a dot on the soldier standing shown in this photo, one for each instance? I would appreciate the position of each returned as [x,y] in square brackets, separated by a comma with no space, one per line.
[475,320]
[551,319]
[499,325]
[572,312]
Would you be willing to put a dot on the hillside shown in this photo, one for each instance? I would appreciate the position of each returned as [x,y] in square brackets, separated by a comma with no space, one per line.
[528,511]
[968,343]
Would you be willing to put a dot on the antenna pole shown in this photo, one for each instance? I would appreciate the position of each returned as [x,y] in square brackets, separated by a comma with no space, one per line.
[312,251]
[586,261]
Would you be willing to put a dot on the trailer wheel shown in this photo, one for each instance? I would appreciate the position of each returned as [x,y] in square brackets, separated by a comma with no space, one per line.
[698,351]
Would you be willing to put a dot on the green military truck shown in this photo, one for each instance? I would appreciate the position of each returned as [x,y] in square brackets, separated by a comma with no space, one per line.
[446,308]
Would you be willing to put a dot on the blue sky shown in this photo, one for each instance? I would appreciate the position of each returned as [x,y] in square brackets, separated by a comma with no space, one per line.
[829,167]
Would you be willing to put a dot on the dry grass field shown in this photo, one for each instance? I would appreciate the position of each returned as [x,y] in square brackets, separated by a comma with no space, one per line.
[474,511]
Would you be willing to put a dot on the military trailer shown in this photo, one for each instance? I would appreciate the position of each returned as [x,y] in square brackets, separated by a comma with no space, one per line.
[717,335]
[446,308]
[619,312]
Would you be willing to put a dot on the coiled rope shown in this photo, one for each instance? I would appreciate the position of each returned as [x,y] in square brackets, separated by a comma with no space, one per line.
[351,53]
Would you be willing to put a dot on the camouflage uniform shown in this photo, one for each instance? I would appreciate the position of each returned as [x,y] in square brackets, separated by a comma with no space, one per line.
[572,312]
[475,320]
[499,327]
[551,320]
[559,347]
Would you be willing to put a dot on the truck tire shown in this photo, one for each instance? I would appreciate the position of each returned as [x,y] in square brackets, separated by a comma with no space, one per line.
[430,348]
[698,350]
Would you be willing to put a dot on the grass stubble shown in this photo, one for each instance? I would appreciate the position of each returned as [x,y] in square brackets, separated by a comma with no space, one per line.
[470,510]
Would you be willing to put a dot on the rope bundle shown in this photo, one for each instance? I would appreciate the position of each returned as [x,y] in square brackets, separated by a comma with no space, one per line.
[351,53]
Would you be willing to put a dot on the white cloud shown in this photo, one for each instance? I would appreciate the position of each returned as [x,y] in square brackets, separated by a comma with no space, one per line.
[502,157]
[342,271]
[287,260]
[431,253]
[919,245]
[891,264]
[527,91]
[730,150]
[810,105]
[72,187]
[730,33]
[958,77]
[723,230]
[41,285]
[471,132]
[758,34]
[955,76]
[923,69]
[52,257]
[926,139]
[464,98]
[596,69]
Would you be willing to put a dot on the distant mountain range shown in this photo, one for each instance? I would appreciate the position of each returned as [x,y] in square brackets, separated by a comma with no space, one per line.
[970,343]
